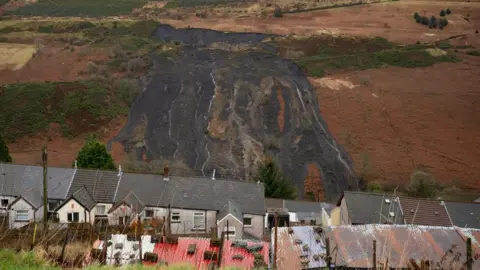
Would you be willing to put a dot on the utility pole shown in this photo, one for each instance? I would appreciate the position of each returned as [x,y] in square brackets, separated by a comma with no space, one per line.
[469,254]
[275,243]
[45,192]
[375,254]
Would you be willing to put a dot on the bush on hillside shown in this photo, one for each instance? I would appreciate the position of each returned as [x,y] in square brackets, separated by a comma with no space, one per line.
[277,13]
[136,64]
[418,19]
[442,13]
[425,20]
[442,23]
[422,184]
[416,15]
[433,22]
[448,11]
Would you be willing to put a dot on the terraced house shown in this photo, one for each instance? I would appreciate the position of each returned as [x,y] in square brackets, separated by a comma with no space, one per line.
[189,205]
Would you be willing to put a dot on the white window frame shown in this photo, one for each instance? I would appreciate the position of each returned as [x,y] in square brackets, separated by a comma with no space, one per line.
[230,229]
[73,217]
[202,215]
[247,225]
[104,212]
[24,213]
[176,213]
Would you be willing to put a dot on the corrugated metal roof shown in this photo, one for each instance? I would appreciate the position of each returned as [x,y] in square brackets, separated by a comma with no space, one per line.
[100,184]
[466,215]
[352,245]
[474,234]
[27,181]
[177,254]
[289,252]
[424,212]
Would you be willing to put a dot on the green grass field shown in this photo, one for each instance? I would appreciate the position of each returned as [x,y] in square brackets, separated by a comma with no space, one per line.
[79,8]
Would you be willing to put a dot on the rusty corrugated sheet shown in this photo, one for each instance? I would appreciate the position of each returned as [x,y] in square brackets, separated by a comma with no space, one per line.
[352,245]
[289,253]
[474,234]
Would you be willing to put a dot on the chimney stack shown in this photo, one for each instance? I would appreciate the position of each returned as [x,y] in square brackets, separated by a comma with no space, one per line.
[213,175]
[165,172]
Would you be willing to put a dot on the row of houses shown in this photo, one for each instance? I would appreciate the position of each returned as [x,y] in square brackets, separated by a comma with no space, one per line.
[192,205]
[360,208]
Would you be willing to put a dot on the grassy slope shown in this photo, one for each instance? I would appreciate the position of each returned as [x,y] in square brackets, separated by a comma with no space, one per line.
[80,8]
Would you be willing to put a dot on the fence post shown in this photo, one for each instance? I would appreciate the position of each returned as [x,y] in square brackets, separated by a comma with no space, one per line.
[374,254]
[469,254]
[327,242]
[139,240]
[64,245]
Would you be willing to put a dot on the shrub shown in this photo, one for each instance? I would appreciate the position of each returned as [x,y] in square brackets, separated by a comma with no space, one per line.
[433,22]
[215,242]
[92,68]
[442,13]
[476,31]
[418,19]
[425,20]
[374,187]
[442,23]
[422,184]
[210,255]
[474,53]
[416,15]
[136,64]
[448,11]
[277,13]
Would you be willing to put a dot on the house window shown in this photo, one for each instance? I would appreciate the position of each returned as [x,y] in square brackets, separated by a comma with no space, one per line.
[123,220]
[230,231]
[22,215]
[52,206]
[247,221]
[4,202]
[175,217]
[100,210]
[199,221]
[73,217]
[149,213]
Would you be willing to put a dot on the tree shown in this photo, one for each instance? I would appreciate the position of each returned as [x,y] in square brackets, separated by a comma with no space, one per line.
[433,22]
[275,182]
[416,15]
[442,23]
[94,155]
[4,155]
[448,11]
[422,184]
[425,21]
[277,13]
[442,13]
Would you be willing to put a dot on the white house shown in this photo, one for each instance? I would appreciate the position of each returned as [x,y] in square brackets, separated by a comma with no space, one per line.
[77,208]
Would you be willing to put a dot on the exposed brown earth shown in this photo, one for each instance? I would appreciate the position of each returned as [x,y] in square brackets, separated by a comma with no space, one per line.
[396,119]
[281,112]
[62,150]
[393,21]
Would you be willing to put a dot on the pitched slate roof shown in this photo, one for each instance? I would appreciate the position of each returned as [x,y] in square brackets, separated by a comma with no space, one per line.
[193,192]
[100,184]
[84,198]
[465,215]
[425,212]
[303,206]
[230,208]
[27,181]
[131,200]
[365,208]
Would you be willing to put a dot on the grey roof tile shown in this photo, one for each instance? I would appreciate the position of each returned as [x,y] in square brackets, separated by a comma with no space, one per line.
[132,200]
[84,198]
[366,208]
[465,215]
[100,184]
[27,181]
[193,192]
[425,212]
[230,208]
